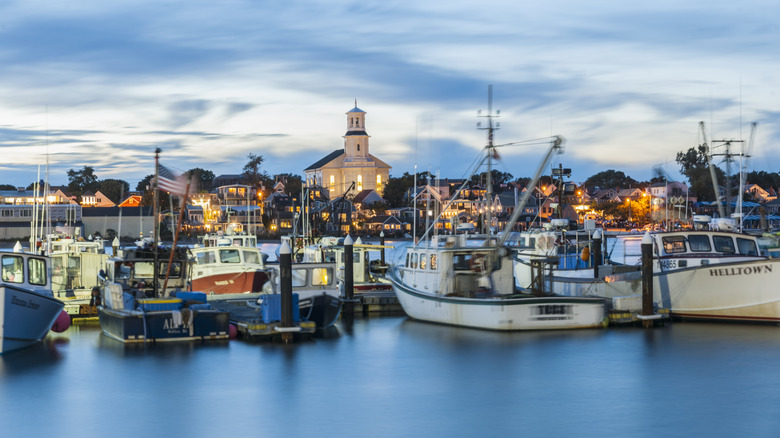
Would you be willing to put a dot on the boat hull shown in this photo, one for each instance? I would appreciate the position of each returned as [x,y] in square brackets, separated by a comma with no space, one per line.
[496,313]
[132,326]
[231,282]
[25,317]
[322,309]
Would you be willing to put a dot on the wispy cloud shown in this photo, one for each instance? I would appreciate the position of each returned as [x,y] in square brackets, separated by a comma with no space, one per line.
[211,82]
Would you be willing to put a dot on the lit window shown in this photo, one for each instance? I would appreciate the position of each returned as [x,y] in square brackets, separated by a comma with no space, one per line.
[332,180]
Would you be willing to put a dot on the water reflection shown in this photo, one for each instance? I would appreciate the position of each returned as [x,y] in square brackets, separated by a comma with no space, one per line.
[32,359]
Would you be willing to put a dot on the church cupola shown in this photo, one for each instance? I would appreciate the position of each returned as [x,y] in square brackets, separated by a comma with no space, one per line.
[356,138]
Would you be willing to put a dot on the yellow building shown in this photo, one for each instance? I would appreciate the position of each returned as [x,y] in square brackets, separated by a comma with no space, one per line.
[354,164]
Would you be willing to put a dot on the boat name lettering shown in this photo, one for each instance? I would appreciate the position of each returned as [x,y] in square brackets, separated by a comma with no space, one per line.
[23,303]
[669,264]
[223,282]
[748,270]
[554,309]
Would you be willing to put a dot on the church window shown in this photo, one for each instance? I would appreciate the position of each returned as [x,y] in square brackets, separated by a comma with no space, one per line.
[358,146]
[332,180]
[360,183]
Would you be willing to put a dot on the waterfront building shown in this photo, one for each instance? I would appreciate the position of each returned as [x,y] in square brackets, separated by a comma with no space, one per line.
[352,169]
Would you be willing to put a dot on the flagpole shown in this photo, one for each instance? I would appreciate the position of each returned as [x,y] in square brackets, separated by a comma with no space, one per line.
[176,235]
[155,235]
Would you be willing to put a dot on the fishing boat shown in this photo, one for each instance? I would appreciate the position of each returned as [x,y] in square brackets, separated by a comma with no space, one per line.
[27,304]
[697,274]
[447,280]
[136,308]
[229,264]
[75,265]
[132,311]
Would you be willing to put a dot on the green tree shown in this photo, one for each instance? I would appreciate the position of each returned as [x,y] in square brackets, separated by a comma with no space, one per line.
[396,188]
[252,175]
[8,187]
[292,184]
[202,179]
[147,191]
[114,189]
[693,164]
[609,179]
[80,181]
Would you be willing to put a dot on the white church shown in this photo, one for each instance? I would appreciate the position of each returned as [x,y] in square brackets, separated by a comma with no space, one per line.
[353,164]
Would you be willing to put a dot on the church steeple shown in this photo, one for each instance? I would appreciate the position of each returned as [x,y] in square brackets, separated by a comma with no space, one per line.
[356,138]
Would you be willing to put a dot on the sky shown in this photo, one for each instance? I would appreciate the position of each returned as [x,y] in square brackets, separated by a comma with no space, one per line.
[102,84]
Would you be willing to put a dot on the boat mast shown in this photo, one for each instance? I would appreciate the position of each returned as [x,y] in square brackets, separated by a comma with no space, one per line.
[490,154]
[156,220]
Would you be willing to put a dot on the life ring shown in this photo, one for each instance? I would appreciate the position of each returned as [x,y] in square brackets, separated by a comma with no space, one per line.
[477,263]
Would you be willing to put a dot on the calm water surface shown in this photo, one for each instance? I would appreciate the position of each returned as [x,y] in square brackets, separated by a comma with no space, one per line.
[391,376]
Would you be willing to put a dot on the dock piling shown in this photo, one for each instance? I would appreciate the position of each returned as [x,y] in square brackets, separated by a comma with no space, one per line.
[596,253]
[382,244]
[349,279]
[647,280]
[285,283]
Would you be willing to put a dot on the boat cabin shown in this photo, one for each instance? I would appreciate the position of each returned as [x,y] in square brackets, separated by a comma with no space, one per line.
[25,270]
[452,267]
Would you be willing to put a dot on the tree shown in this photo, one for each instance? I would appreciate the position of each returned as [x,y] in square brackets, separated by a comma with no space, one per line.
[292,183]
[147,191]
[81,181]
[252,175]
[114,189]
[694,165]
[396,188]
[609,179]
[8,187]
[201,179]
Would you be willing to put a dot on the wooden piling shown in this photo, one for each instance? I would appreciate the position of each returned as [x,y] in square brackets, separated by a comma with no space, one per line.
[647,279]
[349,278]
[382,244]
[285,283]
[596,253]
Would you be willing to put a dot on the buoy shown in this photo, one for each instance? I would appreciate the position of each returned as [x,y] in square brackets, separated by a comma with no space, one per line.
[585,254]
[62,322]
[232,331]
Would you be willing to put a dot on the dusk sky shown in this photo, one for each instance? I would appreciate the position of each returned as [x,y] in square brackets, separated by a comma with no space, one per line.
[102,84]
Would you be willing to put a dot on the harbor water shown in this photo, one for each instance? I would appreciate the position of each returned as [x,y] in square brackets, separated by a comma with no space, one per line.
[394,377]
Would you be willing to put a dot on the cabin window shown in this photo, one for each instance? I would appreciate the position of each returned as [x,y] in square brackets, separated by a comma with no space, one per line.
[144,270]
[699,243]
[747,247]
[408,260]
[36,269]
[414,261]
[206,257]
[175,270]
[13,267]
[321,276]
[229,256]
[251,257]
[724,244]
[674,244]
[423,261]
[299,277]
[434,261]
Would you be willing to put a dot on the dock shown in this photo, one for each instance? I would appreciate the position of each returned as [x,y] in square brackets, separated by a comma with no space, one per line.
[248,319]
[375,302]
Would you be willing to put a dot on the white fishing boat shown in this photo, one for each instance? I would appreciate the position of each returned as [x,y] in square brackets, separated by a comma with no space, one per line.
[450,282]
[446,280]
[76,263]
[27,305]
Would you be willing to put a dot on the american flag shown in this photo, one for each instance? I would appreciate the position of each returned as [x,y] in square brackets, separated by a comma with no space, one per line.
[170,182]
